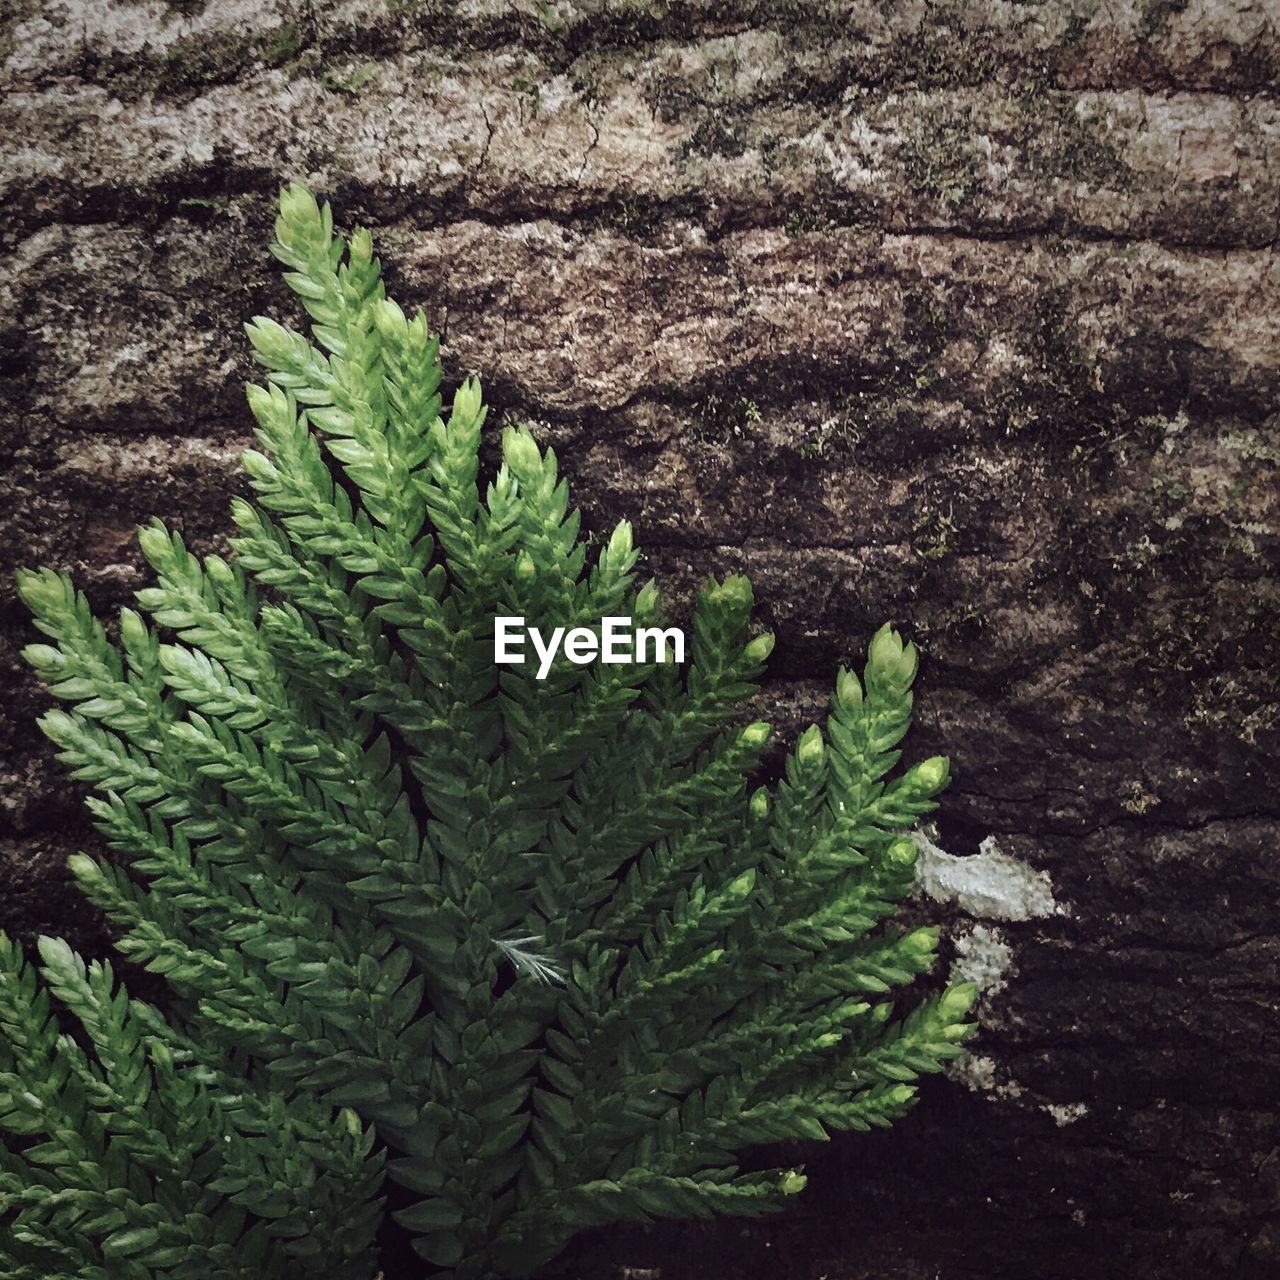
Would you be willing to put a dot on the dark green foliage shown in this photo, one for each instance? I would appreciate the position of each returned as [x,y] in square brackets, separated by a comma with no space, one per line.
[148,1154]
[533,942]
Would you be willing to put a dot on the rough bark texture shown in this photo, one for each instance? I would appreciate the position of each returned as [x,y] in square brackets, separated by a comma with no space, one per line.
[961,314]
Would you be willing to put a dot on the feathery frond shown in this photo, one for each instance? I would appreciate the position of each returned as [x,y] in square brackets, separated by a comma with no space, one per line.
[529,947]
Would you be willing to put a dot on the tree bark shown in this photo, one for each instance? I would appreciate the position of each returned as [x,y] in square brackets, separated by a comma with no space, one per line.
[963,314]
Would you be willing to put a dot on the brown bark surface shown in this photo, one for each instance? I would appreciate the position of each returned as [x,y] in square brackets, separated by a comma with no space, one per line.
[962,314]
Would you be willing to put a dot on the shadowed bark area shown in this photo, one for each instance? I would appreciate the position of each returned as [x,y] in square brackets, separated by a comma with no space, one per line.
[964,315]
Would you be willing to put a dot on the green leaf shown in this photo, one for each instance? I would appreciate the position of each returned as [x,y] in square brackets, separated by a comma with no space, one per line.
[133,1240]
[429,1215]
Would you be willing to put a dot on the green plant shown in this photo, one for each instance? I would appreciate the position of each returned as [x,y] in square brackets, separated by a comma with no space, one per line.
[533,944]
[136,1149]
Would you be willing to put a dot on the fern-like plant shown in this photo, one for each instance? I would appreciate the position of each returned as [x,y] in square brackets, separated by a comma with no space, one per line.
[531,949]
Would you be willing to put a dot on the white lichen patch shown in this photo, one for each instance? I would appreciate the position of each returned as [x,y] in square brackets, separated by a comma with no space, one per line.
[989,885]
[981,1075]
[1065,1113]
[983,957]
